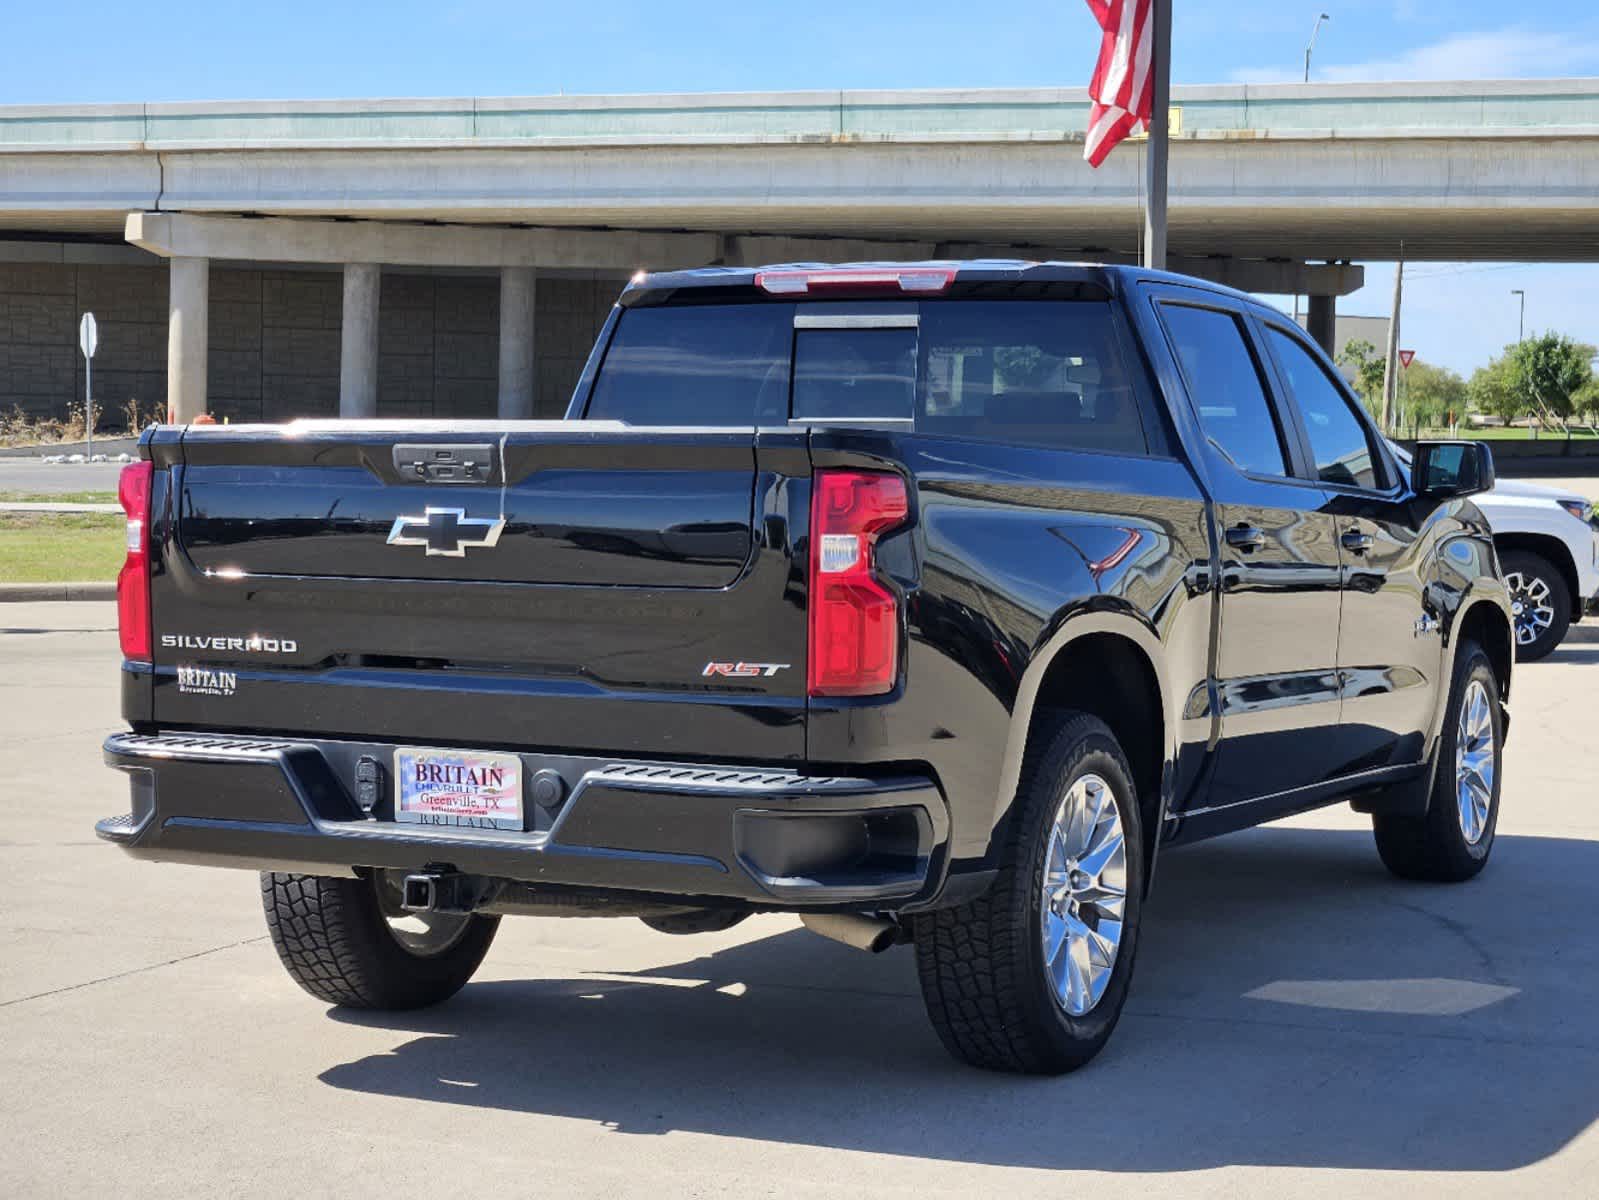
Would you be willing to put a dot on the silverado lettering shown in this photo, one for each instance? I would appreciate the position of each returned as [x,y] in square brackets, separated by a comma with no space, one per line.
[219,642]
[1072,564]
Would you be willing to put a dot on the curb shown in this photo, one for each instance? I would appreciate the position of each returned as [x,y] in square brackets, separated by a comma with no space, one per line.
[57,591]
[113,445]
[45,506]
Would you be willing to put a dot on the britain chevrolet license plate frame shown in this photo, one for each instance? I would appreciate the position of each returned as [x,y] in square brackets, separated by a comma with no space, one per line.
[462,792]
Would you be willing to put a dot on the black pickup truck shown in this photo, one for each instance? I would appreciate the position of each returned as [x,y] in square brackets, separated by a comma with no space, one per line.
[926,601]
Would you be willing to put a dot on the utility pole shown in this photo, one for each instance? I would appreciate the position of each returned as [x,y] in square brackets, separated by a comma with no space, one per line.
[1311,45]
[1521,324]
[1390,379]
[1160,110]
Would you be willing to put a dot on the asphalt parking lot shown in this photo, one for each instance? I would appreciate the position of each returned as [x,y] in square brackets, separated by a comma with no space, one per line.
[1301,1024]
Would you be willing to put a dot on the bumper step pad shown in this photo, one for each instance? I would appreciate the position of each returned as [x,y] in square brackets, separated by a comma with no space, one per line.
[764,835]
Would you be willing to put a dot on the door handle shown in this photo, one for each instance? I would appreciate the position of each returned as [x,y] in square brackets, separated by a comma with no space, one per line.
[1356,541]
[1246,538]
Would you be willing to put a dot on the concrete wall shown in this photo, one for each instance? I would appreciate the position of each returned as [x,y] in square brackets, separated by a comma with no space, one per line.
[1355,327]
[41,371]
[275,341]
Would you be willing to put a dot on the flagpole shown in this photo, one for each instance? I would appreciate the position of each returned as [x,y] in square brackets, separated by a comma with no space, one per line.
[1155,155]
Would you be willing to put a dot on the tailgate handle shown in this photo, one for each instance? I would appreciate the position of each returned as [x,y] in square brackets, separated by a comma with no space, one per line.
[447,463]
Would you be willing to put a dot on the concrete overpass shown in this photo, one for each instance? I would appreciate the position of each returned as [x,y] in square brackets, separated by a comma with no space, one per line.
[1270,183]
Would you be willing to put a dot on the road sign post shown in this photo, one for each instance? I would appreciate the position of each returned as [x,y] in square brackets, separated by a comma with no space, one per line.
[1405,357]
[88,342]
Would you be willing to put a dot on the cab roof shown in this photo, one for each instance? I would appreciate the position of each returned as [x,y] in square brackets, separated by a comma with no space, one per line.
[904,280]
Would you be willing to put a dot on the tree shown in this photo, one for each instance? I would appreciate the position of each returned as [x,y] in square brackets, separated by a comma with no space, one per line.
[1431,394]
[1585,400]
[1547,372]
[1492,389]
[1553,369]
[1360,356]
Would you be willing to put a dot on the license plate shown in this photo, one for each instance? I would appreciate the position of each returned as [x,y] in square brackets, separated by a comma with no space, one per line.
[458,788]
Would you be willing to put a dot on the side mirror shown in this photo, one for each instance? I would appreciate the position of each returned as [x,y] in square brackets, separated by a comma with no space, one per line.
[1445,469]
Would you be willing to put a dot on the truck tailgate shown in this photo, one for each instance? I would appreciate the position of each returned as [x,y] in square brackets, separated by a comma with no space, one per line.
[535,584]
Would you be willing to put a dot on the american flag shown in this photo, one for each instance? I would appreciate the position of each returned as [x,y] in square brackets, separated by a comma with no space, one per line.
[1123,85]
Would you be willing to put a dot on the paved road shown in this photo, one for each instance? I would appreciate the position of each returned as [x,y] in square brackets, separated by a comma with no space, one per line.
[1301,1024]
[54,479]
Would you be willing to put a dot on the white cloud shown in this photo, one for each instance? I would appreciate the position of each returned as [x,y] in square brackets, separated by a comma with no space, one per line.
[1494,54]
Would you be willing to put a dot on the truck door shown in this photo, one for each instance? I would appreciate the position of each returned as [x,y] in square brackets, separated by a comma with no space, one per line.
[1389,645]
[1276,665]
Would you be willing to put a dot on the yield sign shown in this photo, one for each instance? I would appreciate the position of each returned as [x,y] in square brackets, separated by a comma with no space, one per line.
[1405,356]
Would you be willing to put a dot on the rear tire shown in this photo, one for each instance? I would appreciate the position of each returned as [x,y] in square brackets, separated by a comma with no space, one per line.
[347,942]
[998,995]
[1452,842]
[1541,600]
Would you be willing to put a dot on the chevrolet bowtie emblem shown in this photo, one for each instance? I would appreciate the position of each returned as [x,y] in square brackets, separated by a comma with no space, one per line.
[446,531]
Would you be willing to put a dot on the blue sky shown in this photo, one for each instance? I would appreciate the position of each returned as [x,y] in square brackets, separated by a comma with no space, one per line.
[181,50]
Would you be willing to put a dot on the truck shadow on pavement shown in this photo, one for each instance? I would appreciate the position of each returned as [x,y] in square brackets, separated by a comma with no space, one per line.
[1293,1006]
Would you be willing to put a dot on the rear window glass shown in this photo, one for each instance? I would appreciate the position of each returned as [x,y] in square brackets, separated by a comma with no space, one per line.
[855,373]
[711,364]
[1224,381]
[1035,373]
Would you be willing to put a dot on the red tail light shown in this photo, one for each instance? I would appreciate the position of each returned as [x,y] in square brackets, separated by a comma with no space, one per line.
[133,581]
[854,617]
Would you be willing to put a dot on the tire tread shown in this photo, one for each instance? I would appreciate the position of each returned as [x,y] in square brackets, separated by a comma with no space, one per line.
[330,937]
[972,959]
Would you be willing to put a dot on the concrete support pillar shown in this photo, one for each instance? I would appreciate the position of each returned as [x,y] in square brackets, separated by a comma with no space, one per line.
[517,379]
[358,351]
[187,338]
[1321,322]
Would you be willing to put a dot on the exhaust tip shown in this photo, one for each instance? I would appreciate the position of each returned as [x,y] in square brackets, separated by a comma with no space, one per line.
[872,934]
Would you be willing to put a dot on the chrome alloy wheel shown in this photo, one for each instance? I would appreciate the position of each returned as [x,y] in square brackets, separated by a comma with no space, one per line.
[1476,760]
[1529,606]
[1084,894]
[423,934]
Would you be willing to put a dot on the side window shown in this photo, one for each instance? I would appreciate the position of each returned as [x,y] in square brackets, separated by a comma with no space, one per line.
[1338,438]
[703,364]
[1224,380]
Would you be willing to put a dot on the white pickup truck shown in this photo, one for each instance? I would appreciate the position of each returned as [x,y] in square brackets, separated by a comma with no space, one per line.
[1549,547]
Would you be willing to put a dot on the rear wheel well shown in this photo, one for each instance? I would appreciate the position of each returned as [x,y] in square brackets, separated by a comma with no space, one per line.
[1546,547]
[1110,677]
[1486,625]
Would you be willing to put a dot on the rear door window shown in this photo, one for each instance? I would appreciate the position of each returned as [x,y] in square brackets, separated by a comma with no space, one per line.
[1224,382]
[703,364]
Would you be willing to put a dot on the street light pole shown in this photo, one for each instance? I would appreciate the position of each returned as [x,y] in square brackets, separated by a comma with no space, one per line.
[1311,45]
[1521,325]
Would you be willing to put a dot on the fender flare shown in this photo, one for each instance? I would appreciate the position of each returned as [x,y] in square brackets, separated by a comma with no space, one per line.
[1071,625]
[1475,597]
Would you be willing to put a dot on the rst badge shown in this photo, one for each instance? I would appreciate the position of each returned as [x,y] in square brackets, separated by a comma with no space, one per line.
[743,670]
[446,532]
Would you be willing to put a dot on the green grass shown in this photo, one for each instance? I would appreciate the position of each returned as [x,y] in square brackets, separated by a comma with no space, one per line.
[61,547]
[63,497]
[1501,434]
